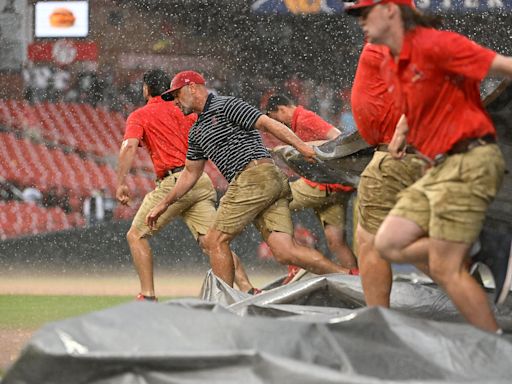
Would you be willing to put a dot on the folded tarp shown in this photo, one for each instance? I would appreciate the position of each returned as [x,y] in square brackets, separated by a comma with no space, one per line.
[313,331]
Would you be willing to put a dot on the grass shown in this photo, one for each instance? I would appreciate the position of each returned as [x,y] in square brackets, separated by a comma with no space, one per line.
[32,311]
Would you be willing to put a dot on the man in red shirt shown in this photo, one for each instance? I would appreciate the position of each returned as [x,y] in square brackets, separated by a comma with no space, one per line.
[376,117]
[164,129]
[328,200]
[434,77]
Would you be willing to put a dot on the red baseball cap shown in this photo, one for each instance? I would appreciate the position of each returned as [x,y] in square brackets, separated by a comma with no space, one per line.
[180,80]
[356,8]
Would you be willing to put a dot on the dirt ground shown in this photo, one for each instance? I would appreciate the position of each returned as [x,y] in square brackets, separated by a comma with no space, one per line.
[180,284]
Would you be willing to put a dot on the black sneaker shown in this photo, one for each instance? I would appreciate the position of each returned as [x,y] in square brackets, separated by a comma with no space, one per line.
[496,254]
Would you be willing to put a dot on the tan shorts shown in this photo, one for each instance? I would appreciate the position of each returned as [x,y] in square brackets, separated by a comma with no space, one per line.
[259,194]
[381,181]
[451,200]
[329,207]
[197,207]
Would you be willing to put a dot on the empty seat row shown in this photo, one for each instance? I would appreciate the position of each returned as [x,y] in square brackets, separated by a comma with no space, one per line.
[22,219]
[30,164]
[80,127]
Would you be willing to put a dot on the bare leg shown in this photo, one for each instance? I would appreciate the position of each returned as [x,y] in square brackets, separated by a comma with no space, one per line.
[221,259]
[143,260]
[287,251]
[401,240]
[241,278]
[336,242]
[375,272]
[448,270]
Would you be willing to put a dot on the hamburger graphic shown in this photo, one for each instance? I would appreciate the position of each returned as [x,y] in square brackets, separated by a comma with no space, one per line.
[62,18]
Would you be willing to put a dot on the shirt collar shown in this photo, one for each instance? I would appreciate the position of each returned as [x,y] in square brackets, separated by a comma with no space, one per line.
[405,53]
[156,99]
[207,104]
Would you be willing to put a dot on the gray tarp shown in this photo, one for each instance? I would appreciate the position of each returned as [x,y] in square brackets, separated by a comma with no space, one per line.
[312,331]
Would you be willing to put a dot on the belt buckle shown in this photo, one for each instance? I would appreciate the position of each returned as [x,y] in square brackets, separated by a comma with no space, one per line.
[481,141]
[439,158]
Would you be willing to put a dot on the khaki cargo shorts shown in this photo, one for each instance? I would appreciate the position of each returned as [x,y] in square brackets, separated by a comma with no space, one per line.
[381,181]
[451,200]
[259,194]
[197,207]
[329,207]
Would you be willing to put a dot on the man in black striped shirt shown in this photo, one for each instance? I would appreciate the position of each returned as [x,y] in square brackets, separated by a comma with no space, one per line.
[226,133]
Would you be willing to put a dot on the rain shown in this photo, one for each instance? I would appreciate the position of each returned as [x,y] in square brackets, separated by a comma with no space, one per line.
[64,101]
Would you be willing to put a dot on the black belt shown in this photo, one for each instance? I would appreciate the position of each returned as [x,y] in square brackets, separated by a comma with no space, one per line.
[385,148]
[170,172]
[175,170]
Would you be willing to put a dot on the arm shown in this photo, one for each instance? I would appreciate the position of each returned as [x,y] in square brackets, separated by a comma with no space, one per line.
[281,131]
[501,66]
[333,133]
[399,140]
[188,178]
[124,164]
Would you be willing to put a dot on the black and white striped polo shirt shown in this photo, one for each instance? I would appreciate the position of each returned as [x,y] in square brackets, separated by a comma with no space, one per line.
[225,134]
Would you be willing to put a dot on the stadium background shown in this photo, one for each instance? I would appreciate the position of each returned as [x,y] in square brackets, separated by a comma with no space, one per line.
[62,115]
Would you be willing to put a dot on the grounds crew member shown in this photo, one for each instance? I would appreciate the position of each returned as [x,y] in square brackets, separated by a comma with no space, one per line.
[376,117]
[434,77]
[329,201]
[163,129]
[226,133]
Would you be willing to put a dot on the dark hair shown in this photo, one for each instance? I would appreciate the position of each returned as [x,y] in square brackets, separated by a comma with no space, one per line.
[157,81]
[412,18]
[275,101]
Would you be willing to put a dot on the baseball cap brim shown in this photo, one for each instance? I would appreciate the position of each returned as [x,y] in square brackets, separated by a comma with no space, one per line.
[168,95]
[355,9]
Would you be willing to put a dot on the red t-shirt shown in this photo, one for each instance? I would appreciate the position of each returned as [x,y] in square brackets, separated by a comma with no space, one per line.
[308,126]
[438,88]
[373,108]
[164,130]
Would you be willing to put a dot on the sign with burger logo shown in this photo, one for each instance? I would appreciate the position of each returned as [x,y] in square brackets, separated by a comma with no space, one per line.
[61,19]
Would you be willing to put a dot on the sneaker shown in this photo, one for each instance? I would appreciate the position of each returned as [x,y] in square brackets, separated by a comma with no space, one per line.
[141,297]
[294,274]
[496,254]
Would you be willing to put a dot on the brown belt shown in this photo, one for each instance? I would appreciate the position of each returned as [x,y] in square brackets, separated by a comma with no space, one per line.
[466,145]
[461,146]
[256,162]
[253,163]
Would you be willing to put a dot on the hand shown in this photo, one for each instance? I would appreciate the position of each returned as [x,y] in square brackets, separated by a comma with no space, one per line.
[309,153]
[123,194]
[398,143]
[154,214]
